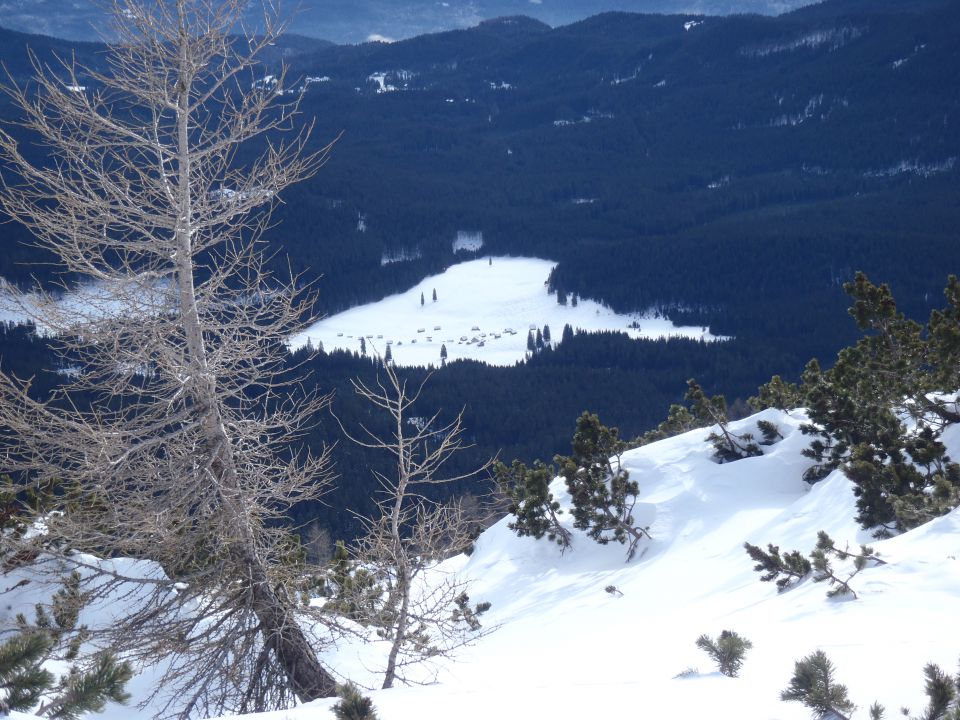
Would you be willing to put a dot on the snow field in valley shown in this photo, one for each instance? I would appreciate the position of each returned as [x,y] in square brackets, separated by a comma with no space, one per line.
[483,312]
[566,648]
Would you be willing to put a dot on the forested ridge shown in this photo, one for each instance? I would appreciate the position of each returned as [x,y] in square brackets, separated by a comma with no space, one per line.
[731,172]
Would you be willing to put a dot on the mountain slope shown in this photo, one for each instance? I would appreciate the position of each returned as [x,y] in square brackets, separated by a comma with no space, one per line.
[568,648]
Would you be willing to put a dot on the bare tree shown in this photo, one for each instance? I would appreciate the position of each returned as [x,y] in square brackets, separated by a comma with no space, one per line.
[423,618]
[173,437]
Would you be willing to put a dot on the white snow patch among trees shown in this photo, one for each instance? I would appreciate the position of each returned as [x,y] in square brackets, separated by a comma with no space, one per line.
[483,312]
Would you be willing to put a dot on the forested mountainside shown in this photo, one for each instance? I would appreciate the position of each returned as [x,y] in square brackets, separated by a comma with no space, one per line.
[718,167]
[732,171]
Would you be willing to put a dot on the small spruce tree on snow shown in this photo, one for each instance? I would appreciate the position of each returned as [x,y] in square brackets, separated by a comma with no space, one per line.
[787,569]
[770,432]
[728,651]
[22,679]
[422,300]
[573,300]
[535,511]
[728,446]
[363,347]
[531,342]
[794,567]
[777,393]
[434,294]
[546,333]
[823,569]
[539,340]
[561,296]
[388,356]
[942,695]
[443,355]
[567,333]
[814,686]
[353,704]
[602,493]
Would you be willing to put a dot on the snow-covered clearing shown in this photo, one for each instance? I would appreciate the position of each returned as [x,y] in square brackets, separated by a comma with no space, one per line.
[483,311]
[566,648]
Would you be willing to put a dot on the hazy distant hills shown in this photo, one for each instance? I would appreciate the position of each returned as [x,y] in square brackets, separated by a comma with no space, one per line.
[353,21]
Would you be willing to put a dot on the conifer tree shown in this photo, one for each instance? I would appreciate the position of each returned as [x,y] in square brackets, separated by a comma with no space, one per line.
[601,491]
[728,446]
[941,691]
[536,512]
[793,566]
[824,571]
[546,333]
[539,340]
[22,678]
[728,651]
[531,343]
[434,294]
[353,705]
[814,686]
[900,477]
[567,333]
[777,393]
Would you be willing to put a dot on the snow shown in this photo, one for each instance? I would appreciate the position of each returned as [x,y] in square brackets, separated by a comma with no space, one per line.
[481,302]
[564,647]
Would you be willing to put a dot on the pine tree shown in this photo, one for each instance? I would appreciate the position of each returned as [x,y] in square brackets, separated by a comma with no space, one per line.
[567,333]
[83,692]
[546,333]
[388,356]
[443,355]
[353,705]
[363,347]
[422,300]
[941,691]
[778,394]
[536,512]
[793,566]
[539,340]
[573,300]
[600,488]
[813,685]
[434,294]
[531,343]
[727,651]
[22,678]
[824,571]
[728,446]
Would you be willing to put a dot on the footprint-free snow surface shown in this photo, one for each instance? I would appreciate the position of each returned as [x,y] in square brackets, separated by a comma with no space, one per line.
[568,649]
[483,311]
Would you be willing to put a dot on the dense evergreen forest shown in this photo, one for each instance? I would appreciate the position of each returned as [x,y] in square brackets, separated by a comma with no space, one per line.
[731,172]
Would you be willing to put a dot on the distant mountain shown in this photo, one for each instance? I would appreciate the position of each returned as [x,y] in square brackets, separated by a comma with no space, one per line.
[354,21]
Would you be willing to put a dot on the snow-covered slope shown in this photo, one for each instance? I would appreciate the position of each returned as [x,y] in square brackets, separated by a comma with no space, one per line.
[483,311]
[566,648]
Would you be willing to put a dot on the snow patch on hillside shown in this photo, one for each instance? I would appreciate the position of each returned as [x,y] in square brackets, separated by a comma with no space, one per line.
[484,310]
